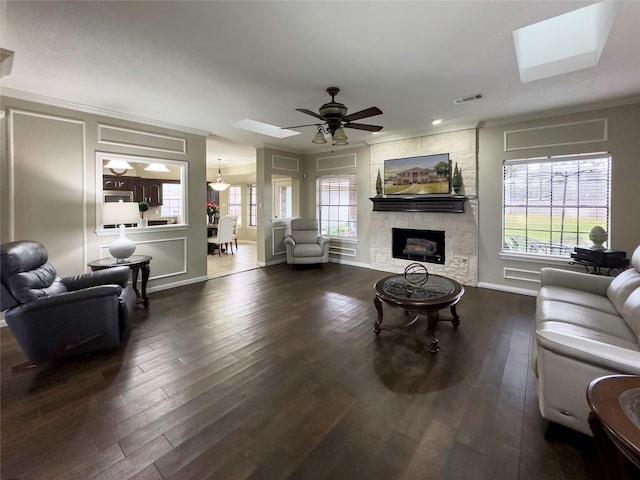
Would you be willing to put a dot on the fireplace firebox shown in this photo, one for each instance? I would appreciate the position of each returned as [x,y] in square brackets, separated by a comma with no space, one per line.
[420,245]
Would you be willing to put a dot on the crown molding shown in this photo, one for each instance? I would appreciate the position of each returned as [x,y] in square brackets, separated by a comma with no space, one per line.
[424,133]
[54,102]
[620,102]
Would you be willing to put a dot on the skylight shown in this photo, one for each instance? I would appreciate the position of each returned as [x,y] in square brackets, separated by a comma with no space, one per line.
[264,128]
[566,43]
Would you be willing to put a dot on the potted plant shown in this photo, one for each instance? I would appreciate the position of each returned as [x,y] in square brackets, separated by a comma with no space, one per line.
[143,207]
[378,185]
[456,179]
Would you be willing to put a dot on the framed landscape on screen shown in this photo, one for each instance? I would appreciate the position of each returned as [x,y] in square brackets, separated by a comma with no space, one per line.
[424,175]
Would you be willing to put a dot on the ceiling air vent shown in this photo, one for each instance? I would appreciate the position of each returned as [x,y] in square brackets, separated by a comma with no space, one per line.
[468,98]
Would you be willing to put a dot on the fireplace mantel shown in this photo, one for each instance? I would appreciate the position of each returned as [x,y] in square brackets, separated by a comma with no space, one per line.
[419,203]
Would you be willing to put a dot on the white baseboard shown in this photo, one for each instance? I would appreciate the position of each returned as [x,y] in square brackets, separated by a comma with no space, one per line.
[504,288]
[168,286]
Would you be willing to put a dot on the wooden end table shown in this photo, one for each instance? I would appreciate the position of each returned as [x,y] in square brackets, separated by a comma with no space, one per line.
[615,423]
[436,294]
[135,263]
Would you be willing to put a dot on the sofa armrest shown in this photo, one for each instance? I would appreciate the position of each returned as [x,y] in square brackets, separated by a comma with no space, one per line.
[323,240]
[288,240]
[589,351]
[596,284]
[107,276]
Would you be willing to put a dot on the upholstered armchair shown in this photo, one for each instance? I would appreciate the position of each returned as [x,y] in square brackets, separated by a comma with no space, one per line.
[305,245]
[53,317]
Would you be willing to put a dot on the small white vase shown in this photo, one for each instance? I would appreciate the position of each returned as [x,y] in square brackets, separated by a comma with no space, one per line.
[144,222]
[122,248]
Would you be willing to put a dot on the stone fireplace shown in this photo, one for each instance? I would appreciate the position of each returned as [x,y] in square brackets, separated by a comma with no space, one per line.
[419,245]
[459,260]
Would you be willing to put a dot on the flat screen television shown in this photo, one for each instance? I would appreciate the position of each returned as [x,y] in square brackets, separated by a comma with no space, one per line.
[424,175]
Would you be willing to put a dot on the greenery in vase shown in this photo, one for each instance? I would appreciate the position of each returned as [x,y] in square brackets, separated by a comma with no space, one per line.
[456,180]
[378,185]
[143,207]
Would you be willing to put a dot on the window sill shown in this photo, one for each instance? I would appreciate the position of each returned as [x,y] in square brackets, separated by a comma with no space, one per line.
[527,257]
[105,232]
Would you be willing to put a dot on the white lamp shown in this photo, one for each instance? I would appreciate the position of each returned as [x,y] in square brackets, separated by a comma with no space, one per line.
[157,167]
[219,184]
[119,213]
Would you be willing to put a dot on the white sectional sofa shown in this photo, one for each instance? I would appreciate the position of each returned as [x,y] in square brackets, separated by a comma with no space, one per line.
[587,326]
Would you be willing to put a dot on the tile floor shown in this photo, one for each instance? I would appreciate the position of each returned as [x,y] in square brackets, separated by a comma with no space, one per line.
[244,258]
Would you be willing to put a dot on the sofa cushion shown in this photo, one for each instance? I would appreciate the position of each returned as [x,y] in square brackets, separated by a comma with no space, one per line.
[578,331]
[622,286]
[305,236]
[613,325]
[577,297]
[307,250]
[631,312]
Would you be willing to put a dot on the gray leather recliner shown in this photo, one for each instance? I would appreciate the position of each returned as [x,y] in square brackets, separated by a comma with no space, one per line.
[53,317]
[305,245]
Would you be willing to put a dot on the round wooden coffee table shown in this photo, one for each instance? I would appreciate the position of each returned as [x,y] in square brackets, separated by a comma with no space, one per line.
[615,423]
[428,299]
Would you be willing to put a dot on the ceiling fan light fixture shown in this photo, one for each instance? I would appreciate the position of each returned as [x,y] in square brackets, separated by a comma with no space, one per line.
[319,137]
[219,184]
[340,138]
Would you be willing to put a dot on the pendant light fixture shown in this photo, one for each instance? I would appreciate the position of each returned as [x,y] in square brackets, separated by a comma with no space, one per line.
[219,184]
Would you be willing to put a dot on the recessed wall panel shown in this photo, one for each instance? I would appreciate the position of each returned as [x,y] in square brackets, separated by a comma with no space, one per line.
[47,186]
[111,135]
[574,133]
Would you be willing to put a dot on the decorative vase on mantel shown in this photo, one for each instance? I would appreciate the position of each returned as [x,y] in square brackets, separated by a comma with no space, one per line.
[378,185]
[456,179]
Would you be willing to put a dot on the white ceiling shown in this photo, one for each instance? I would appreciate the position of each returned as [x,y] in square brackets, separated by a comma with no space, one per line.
[206,65]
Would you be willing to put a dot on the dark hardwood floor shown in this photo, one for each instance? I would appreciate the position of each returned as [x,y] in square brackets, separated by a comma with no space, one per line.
[276,373]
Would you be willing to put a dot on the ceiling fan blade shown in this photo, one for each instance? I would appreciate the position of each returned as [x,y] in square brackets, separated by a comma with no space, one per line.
[307,125]
[362,126]
[368,112]
[309,112]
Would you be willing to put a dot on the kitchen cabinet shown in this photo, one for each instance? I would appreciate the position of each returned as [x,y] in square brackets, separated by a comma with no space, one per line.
[144,189]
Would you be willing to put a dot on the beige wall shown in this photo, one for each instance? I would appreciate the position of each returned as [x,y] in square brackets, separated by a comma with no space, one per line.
[48,184]
[613,130]
[243,175]
[270,164]
[48,189]
[341,162]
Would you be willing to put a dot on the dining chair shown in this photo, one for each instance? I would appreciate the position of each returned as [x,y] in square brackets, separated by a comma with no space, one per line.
[235,227]
[224,235]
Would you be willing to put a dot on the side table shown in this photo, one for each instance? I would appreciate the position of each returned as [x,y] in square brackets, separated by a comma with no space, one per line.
[135,263]
[615,422]
[613,261]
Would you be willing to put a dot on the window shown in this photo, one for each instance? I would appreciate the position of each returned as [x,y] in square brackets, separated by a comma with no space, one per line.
[550,205]
[338,206]
[282,199]
[160,182]
[171,200]
[235,202]
[253,206]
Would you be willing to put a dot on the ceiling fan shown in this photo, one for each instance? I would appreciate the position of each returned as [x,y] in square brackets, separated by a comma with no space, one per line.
[334,116]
